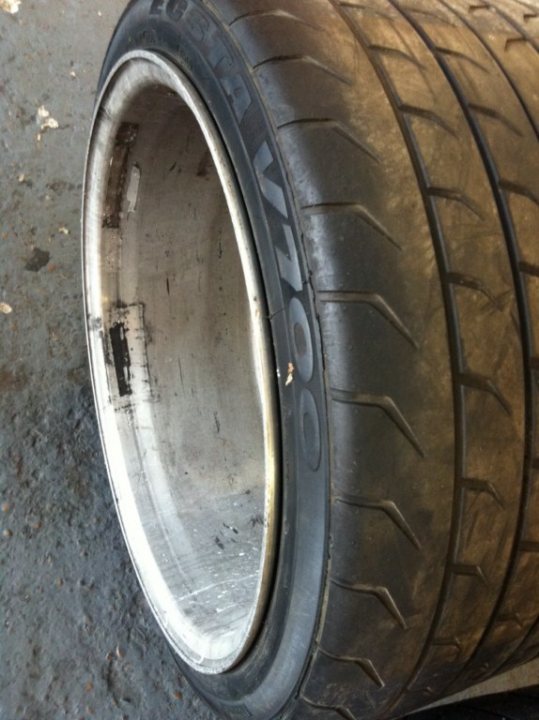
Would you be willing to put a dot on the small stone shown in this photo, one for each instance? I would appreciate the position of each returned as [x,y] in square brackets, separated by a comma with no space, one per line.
[5,309]
[7,533]
[5,507]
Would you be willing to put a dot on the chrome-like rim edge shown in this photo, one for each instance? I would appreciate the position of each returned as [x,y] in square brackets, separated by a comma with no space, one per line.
[103,129]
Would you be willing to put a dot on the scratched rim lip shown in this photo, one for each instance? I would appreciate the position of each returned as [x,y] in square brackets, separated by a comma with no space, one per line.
[103,131]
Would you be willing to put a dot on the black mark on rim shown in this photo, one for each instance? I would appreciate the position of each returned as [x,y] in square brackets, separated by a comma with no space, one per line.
[122,361]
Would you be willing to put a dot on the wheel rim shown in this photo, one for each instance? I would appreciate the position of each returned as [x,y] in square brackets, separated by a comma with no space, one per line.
[181,361]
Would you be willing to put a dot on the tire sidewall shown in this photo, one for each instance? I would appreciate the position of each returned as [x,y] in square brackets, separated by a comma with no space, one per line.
[264,684]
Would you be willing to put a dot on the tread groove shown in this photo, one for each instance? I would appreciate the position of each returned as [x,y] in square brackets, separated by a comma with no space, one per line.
[449,52]
[529,546]
[395,52]
[381,593]
[501,12]
[513,40]
[506,219]
[452,319]
[485,487]
[485,384]
[457,196]
[510,618]
[374,300]
[497,61]
[449,643]
[529,269]
[341,712]
[308,60]
[474,571]
[363,663]
[473,283]
[384,403]
[388,507]
[495,115]
[274,13]
[352,209]
[518,189]
[337,127]
[428,115]
[427,13]
[350,5]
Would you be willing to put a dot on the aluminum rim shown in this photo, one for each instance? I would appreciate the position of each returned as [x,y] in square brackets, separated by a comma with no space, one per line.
[181,361]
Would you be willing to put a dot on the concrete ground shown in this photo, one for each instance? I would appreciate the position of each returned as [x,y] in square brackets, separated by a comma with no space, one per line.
[76,638]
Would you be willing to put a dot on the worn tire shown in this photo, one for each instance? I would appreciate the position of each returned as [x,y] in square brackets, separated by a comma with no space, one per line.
[388,154]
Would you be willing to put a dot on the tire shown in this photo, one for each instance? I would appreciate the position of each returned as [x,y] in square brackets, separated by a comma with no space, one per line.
[387,157]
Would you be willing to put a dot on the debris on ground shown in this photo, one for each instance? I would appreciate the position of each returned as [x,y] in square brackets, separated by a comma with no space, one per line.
[45,121]
[5,309]
[10,6]
[23,180]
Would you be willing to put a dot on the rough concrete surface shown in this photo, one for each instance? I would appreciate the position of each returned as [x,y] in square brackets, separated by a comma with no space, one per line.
[76,637]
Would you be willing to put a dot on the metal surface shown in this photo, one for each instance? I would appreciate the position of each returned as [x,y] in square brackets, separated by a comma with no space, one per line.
[181,361]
